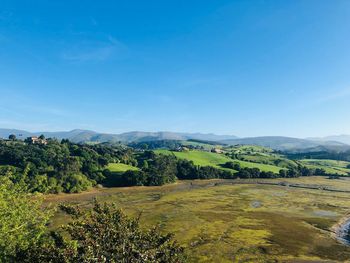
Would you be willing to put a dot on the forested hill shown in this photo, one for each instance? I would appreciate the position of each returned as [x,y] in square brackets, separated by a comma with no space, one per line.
[57,166]
[52,166]
[289,144]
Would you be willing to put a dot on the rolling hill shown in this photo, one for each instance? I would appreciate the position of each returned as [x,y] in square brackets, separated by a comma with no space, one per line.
[289,143]
[274,142]
[216,160]
[134,136]
[344,138]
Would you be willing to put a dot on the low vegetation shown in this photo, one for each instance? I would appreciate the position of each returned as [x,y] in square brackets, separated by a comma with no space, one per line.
[120,167]
[330,166]
[249,220]
[219,222]
[102,234]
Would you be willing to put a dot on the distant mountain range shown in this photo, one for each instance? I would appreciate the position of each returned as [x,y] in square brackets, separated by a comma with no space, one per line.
[339,138]
[79,136]
[290,144]
[336,143]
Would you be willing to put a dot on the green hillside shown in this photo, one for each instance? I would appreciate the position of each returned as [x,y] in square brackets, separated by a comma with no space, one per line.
[203,158]
[203,145]
[330,166]
[259,154]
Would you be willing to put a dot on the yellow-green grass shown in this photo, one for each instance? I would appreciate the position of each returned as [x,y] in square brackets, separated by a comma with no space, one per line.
[259,154]
[120,167]
[330,166]
[250,148]
[342,184]
[216,160]
[236,223]
[201,158]
[200,144]
[269,159]
[327,162]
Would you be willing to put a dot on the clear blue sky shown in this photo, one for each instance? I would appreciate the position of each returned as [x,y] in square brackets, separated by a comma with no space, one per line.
[245,67]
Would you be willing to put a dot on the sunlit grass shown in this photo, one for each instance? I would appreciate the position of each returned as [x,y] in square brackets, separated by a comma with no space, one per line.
[237,223]
[120,167]
[216,160]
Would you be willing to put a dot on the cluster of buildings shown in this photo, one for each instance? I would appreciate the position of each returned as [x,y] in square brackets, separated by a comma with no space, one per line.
[191,147]
[29,140]
[36,140]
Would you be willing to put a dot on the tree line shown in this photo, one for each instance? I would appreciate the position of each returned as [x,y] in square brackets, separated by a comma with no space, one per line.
[58,166]
[68,167]
[159,169]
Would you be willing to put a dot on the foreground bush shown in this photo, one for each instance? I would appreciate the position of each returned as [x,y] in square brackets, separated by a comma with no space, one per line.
[22,220]
[104,234]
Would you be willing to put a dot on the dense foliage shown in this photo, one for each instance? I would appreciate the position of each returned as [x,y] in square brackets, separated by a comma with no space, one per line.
[158,144]
[104,234]
[154,170]
[158,169]
[22,221]
[67,167]
[58,166]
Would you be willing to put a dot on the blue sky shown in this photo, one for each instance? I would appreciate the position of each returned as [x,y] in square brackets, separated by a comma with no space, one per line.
[247,68]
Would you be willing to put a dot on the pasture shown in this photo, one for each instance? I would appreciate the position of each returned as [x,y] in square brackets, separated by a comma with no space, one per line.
[330,166]
[120,167]
[220,221]
[216,160]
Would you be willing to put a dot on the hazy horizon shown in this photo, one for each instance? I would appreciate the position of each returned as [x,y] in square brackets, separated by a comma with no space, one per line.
[244,68]
[165,131]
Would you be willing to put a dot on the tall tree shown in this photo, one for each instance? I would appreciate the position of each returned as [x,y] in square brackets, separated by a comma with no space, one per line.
[12,137]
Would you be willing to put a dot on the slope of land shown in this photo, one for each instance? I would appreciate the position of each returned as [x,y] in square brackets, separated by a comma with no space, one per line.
[78,136]
[344,138]
[288,143]
[260,154]
[204,158]
[330,166]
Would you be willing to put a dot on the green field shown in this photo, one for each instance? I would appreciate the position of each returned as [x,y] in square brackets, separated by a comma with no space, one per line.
[205,146]
[120,167]
[244,149]
[330,166]
[237,223]
[258,154]
[203,158]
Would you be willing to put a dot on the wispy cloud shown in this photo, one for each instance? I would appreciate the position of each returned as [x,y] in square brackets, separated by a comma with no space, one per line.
[90,50]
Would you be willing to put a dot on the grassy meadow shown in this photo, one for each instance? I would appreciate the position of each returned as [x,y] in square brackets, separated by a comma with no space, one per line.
[216,160]
[218,221]
[330,166]
[120,167]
